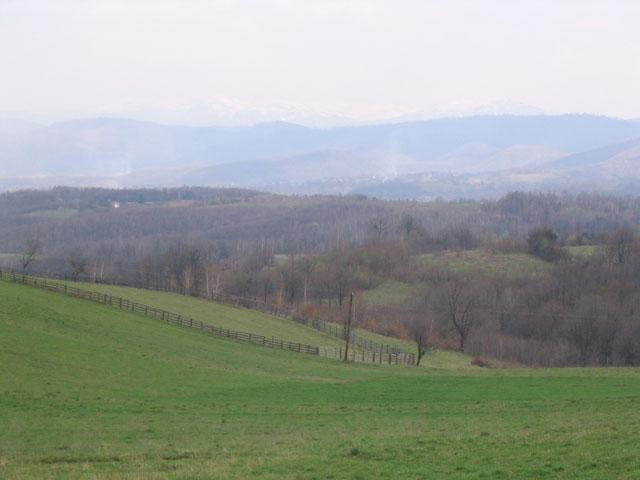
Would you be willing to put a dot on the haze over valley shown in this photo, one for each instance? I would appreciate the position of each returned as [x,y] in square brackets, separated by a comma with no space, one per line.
[475,157]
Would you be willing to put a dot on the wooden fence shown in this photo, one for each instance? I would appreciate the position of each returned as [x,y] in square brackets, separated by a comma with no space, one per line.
[329,328]
[186,322]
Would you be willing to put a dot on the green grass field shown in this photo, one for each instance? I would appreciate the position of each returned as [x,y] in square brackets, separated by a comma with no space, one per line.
[585,250]
[242,319]
[485,262]
[390,292]
[88,391]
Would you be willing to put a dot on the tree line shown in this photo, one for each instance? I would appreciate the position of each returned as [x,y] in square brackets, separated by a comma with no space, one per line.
[309,253]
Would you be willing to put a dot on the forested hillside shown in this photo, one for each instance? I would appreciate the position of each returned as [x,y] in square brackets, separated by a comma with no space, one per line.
[532,278]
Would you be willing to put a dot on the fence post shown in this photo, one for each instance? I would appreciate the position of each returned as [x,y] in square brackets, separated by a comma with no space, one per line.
[369,347]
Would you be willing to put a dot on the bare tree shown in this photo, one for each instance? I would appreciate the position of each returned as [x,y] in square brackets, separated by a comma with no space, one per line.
[378,228]
[420,329]
[543,243]
[584,328]
[31,252]
[339,280]
[408,225]
[268,282]
[621,244]
[185,265]
[306,267]
[460,302]
[78,265]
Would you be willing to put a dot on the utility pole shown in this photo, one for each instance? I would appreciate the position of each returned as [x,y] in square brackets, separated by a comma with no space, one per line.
[348,333]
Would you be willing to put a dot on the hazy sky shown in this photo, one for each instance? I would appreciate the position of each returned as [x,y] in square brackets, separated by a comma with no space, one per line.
[355,57]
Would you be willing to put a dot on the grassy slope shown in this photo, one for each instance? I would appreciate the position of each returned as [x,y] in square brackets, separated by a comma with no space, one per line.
[91,392]
[235,318]
[221,315]
[483,261]
[397,293]
[585,250]
[393,292]
[390,292]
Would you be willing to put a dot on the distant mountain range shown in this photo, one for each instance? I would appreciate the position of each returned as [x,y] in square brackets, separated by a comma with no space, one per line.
[479,156]
[613,169]
[234,112]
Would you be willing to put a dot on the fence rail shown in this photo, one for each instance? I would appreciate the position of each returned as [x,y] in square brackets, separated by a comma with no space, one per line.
[329,328]
[172,318]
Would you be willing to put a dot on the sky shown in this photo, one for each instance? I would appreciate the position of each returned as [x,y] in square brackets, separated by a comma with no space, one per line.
[357,59]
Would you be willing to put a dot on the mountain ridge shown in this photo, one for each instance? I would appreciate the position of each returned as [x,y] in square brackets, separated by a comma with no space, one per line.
[127,152]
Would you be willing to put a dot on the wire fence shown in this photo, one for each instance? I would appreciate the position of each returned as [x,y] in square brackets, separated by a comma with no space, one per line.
[176,319]
[329,328]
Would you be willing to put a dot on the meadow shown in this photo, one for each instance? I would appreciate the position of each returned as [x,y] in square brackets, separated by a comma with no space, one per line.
[482,261]
[235,318]
[88,391]
[475,261]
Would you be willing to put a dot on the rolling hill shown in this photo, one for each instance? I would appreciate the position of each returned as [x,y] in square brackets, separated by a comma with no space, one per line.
[225,316]
[597,156]
[122,152]
[611,169]
[95,392]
